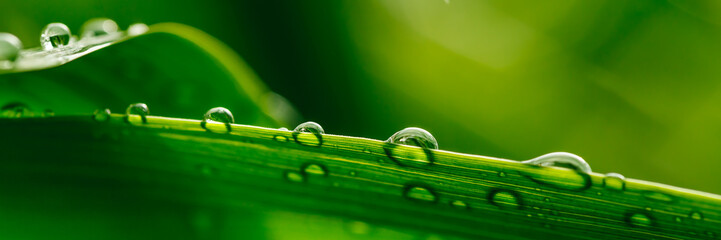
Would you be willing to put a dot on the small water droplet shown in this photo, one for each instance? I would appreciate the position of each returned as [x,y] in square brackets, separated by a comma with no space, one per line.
[102,115]
[353,173]
[137,112]
[309,134]
[599,193]
[55,35]
[137,29]
[97,27]
[504,199]
[294,176]
[315,169]
[283,129]
[546,199]
[418,193]
[15,110]
[695,215]
[219,115]
[10,47]
[502,174]
[639,219]
[648,209]
[280,138]
[677,219]
[658,196]
[459,204]
[614,181]
[561,158]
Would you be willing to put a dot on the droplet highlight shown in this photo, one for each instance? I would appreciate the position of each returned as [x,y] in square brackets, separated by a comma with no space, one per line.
[10,47]
[315,169]
[101,115]
[639,219]
[561,158]
[695,215]
[309,134]
[420,194]
[504,199]
[97,27]
[217,115]
[294,176]
[55,35]
[413,136]
[459,204]
[137,29]
[614,181]
[137,113]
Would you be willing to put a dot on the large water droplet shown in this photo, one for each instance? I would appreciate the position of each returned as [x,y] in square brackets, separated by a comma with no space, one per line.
[504,199]
[614,181]
[559,158]
[315,169]
[639,219]
[55,35]
[309,134]
[418,193]
[217,115]
[15,110]
[137,112]
[102,115]
[137,29]
[411,156]
[99,27]
[414,137]
[10,47]
[294,176]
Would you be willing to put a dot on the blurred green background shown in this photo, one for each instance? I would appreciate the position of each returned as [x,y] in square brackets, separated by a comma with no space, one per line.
[631,86]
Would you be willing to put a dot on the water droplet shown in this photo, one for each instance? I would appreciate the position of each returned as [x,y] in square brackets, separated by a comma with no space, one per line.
[294,176]
[546,199]
[137,112]
[413,136]
[614,181]
[599,193]
[283,129]
[99,27]
[639,219]
[137,29]
[55,35]
[502,174]
[217,115]
[102,115]
[406,156]
[353,173]
[15,110]
[561,158]
[504,199]
[417,193]
[695,215]
[315,169]
[280,138]
[309,134]
[677,219]
[10,47]
[459,204]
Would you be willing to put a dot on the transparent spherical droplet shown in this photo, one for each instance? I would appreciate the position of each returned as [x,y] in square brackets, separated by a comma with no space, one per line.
[15,110]
[561,158]
[10,47]
[217,115]
[315,169]
[294,177]
[504,199]
[422,194]
[55,35]
[639,219]
[137,29]
[137,113]
[102,115]
[99,27]
[309,134]
[414,137]
[614,181]
[502,174]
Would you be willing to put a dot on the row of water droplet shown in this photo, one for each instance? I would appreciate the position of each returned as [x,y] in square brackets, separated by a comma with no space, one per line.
[311,134]
[58,36]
